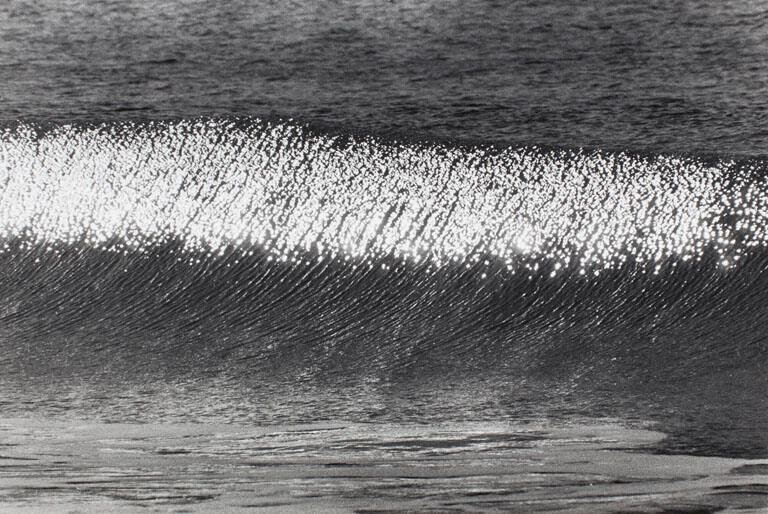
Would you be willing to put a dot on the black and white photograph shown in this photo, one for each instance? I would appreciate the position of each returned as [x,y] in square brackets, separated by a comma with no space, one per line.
[383,256]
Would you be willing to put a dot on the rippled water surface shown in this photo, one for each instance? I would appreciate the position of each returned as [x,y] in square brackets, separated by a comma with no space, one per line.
[683,76]
[412,255]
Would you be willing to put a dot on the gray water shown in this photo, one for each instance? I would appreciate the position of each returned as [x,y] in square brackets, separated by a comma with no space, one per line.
[348,283]
[682,76]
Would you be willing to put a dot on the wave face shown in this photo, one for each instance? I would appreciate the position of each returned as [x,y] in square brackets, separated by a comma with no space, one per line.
[265,252]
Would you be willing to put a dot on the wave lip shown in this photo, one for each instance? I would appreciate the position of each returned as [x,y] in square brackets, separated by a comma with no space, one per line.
[282,189]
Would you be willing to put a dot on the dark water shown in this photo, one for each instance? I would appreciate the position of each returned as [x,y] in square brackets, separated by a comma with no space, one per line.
[406,257]
[682,76]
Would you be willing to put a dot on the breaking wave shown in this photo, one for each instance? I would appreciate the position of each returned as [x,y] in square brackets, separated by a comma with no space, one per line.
[271,234]
[258,250]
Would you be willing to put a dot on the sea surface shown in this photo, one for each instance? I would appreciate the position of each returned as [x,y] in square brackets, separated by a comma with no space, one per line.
[384,256]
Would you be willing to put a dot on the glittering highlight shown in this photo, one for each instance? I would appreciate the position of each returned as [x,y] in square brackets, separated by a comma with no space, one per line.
[298,195]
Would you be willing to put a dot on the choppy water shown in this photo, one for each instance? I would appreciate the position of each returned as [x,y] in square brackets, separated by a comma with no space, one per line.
[682,76]
[424,242]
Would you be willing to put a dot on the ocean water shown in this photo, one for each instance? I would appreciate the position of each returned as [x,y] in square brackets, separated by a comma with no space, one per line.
[355,256]
[677,76]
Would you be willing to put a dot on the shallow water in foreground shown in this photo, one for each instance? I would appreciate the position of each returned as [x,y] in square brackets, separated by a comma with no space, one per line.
[591,466]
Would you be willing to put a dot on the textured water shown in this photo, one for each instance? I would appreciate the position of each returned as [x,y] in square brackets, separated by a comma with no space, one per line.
[416,217]
[678,76]
[469,466]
